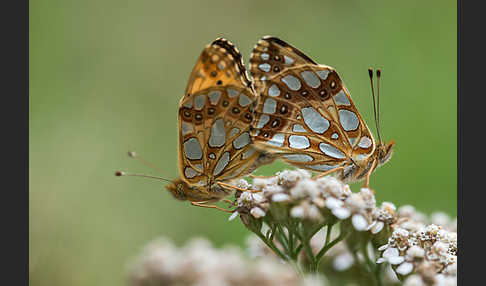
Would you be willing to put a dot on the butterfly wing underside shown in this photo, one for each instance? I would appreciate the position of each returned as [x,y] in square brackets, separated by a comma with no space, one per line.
[305,112]
[214,118]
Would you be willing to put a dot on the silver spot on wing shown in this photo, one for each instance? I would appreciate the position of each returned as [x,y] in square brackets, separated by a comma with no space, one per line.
[192,149]
[218,134]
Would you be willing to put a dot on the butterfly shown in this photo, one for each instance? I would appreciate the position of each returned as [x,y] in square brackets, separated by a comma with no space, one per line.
[306,116]
[215,115]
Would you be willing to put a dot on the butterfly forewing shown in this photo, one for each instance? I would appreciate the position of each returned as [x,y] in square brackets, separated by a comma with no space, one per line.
[214,118]
[305,112]
[270,56]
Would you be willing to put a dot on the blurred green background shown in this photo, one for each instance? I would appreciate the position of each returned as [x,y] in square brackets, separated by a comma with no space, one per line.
[106,77]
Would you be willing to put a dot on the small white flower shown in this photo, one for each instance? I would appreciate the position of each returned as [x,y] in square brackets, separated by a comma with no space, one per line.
[359,222]
[343,261]
[388,206]
[260,183]
[368,197]
[305,188]
[331,186]
[272,189]
[257,212]
[405,268]
[280,197]
[243,184]
[392,255]
[289,178]
[415,251]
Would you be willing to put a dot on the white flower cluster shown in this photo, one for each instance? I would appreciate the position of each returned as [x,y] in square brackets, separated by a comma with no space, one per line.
[429,251]
[314,200]
[198,263]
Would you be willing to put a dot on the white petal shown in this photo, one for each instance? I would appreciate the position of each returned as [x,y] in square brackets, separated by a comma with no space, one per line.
[280,197]
[380,260]
[257,212]
[332,203]
[359,222]
[383,247]
[341,213]
[233,216]
[404,268]
[390,252]
[297,212]
[396,260]
[343,261]
[377,227]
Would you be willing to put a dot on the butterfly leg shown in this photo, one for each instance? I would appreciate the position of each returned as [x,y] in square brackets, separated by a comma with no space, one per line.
[203,205]
[327,173]
[368,175]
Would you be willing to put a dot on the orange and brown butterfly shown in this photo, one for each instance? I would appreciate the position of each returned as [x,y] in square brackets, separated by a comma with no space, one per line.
[306,115]
[215,115]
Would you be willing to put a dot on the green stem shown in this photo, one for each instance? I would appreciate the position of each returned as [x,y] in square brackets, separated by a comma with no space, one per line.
[372,266]
[327,246]
[272,246]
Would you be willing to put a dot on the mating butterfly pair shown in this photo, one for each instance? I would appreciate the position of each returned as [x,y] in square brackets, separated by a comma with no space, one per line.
[293,109]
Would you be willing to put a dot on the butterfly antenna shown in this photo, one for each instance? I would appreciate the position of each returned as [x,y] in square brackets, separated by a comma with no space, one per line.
[378,76]
[133,154]
[120,174]
[370,73]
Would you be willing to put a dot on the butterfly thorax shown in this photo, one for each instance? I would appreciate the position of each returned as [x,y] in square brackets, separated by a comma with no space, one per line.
[356,170]
[185,192]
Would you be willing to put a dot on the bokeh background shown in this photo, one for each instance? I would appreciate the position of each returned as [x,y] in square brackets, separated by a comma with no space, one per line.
[106,77]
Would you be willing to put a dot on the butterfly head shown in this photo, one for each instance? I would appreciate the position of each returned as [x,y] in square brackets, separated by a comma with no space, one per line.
[384,152]
[179,189]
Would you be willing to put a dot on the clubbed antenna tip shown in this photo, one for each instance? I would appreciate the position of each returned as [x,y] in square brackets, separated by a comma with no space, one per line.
[132,154]
[119,173]
[370,72]
[378,72]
